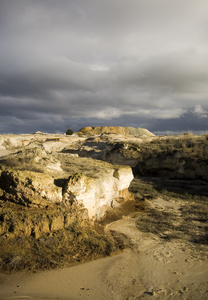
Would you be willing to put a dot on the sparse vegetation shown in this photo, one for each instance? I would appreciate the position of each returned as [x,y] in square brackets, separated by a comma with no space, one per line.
[190,224]
[62,248]
[143,189]
[189,145]
[152,187]
[183,156]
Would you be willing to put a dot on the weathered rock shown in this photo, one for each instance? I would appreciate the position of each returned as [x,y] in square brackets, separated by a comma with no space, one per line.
[29,188]
[84,182]
[116,149]
[41,227]
[115,130]
[57,222]
[97,192]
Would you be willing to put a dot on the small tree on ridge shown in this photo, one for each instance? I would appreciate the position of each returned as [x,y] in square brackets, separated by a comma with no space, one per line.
[69,131]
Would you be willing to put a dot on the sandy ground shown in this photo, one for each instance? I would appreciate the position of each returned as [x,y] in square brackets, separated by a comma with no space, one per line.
[151,268]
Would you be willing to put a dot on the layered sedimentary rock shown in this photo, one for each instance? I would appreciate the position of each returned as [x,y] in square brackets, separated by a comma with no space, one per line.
[33,177]
[125,131]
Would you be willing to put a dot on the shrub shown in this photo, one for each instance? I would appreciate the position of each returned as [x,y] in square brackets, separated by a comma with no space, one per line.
[69,131]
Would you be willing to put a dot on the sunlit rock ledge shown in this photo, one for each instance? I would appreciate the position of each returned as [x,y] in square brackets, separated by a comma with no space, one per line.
[118,130]
[35,177]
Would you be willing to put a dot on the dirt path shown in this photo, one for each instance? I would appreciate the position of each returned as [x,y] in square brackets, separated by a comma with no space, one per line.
[151,268]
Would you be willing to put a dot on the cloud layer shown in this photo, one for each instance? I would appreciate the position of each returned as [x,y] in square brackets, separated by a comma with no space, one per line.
[141,63]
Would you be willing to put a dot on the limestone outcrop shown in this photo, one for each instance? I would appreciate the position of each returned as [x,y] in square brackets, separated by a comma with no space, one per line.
[123,153]
[118,130]
[34,177]
[34,238]
[20,221]
[99,192]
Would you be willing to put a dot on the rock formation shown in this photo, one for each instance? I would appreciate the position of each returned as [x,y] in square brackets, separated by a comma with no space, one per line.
[54,188]
[97,192]
[173,165]
[125,131]
[44,170]
[34,177]
[51,200]
[183,157]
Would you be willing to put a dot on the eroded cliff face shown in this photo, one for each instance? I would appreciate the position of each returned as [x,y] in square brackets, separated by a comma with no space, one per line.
[99,192]
[35,178]
[17,221]
[182,157]
[173,165]
[34,238]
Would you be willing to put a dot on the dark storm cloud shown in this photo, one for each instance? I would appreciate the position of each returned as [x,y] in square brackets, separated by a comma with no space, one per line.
[91,62]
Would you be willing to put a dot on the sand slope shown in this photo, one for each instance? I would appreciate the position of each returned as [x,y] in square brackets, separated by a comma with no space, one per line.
[151,268]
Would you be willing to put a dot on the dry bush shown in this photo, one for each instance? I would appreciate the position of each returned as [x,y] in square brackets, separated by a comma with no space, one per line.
[42,247]
[61,248]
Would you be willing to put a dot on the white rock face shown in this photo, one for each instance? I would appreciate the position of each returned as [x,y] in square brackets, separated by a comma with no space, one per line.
[124,175]
[98,193]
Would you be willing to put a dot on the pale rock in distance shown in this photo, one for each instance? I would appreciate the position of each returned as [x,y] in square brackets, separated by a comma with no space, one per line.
[118,130]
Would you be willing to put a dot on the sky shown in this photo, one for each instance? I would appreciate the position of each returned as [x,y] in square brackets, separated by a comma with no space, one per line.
[76,63]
